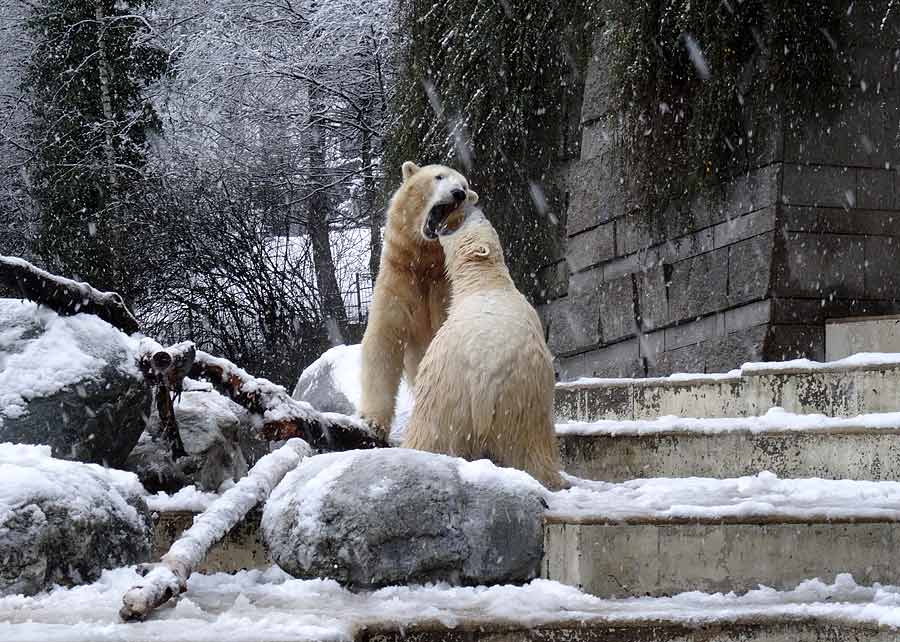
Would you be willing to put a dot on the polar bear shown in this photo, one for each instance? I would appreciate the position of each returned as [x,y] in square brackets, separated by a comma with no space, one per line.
[485,386]
[411,294]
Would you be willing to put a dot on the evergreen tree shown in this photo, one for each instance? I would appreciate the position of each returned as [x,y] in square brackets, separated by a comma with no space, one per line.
[90,127]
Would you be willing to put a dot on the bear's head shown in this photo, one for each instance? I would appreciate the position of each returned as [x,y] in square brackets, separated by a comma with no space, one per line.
[429,196]
[472,245]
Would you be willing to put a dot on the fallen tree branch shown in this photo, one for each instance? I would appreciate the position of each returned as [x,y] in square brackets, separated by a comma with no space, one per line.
[281,416]
[169,578]
[65,296]
[165,371]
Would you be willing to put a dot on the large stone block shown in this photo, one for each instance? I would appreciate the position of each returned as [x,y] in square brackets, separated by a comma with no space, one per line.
[875,188]
[722,354]
[744,227]
[653,298]
[796,342]
[882,267]
[617,314]
[754,190]
[819,185]
[589,248]
[854,135]
[599,88]
[836,220]
[694,332]
[698,285]
[596,193]
[574,323]
[821,265]
[749,268]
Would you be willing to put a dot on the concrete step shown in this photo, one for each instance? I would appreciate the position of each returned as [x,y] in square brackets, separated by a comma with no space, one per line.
[665,536]
[866,447]
[853,386]
[241,549]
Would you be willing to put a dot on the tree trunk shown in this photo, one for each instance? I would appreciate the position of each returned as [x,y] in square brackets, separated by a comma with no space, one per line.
[317,227]
[375,213]
[105,99]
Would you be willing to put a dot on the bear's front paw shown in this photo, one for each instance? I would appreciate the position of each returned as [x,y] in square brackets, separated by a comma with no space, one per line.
[377,427]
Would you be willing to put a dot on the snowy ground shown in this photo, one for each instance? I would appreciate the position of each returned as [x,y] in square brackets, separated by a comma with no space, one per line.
[271,606]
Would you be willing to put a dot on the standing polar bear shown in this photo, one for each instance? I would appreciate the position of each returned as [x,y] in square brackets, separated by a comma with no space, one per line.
[485,386]
[411,294]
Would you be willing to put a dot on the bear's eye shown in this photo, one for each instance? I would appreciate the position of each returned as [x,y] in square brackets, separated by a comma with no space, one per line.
[439,177]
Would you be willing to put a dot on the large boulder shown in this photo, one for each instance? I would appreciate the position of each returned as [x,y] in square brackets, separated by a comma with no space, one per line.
[333,383]
[64,522]
[395,516]
[70,382]
[219,438]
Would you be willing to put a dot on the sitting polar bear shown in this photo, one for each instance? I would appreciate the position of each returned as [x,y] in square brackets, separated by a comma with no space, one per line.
[411,292]
[484,388]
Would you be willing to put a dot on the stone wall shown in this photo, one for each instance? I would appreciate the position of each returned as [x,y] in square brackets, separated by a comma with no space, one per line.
[749,269]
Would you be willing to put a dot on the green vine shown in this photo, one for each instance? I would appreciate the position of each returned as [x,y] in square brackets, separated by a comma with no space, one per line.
[698,82]
[493,88]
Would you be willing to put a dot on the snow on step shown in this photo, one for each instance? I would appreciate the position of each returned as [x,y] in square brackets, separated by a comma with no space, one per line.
[268,605]
[863,383]
[791,445]
[665,536]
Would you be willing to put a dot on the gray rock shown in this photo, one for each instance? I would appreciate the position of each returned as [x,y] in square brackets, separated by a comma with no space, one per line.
[70,382]
[396,516]
[218,436]
[321,386]
[332,383]
[64,522]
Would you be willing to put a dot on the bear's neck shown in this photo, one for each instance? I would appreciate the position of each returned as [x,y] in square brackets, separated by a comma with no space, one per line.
[472,278]
[419,258]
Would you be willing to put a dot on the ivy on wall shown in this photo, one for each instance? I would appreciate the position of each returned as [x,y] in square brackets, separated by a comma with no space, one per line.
[493,88]
[696,81]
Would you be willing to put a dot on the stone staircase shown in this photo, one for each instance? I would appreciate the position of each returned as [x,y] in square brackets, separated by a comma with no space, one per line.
[838,423]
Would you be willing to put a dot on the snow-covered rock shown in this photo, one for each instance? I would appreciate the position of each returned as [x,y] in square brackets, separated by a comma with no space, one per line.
[395,516]
[333,383]
[64,522]
[218,436]
[70,382]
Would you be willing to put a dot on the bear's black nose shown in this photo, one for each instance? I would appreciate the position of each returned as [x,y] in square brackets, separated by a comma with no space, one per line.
[458,195]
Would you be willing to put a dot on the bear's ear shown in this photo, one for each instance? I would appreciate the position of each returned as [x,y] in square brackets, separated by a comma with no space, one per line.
[477,251]
[409,168]
[472,197]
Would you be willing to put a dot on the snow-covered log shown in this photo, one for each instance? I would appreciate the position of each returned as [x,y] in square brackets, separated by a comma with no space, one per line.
[170,576]
[283,417]
[64,296]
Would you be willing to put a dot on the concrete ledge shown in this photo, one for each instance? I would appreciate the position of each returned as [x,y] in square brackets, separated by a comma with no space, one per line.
[833,389]
[775,630]
[855,454]
[240,549]
[621,560]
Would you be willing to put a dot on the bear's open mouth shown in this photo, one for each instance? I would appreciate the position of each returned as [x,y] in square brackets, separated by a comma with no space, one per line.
[437,218]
